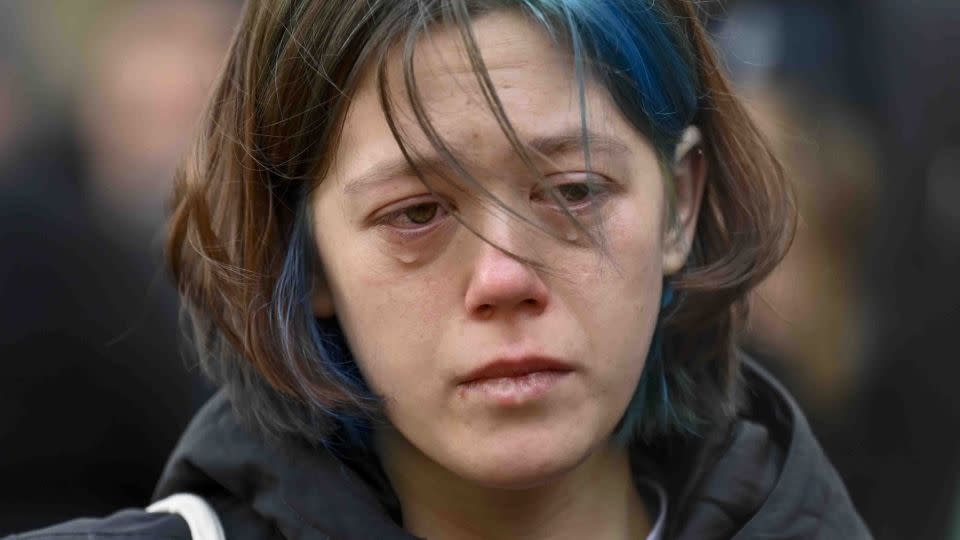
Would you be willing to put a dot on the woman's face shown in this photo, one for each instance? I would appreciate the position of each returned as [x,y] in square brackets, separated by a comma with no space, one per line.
[425,303]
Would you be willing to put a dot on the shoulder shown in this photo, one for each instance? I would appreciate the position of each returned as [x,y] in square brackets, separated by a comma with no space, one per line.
[133,524]
[763,476]
[807,495]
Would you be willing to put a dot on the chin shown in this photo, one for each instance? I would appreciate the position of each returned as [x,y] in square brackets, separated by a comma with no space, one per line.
[523,479]
[522,464]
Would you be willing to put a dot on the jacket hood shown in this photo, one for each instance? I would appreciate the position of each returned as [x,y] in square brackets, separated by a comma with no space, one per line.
[766,477]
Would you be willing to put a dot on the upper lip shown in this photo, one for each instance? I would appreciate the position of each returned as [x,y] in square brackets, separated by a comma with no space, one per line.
[515,367]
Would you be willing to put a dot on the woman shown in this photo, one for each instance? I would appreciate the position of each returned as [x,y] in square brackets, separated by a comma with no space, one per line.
[475,269]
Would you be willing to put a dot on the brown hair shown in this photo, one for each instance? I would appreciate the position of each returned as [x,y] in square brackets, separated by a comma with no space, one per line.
[237,230]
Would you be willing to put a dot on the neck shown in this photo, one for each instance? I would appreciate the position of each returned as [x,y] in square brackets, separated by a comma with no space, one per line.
[597,499]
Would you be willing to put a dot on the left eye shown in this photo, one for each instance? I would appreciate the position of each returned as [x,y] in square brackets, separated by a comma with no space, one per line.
[421,214]
[578,194]
[573,193]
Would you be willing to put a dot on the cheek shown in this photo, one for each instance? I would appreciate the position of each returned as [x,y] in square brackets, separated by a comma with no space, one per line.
[624,298]
[627,279]
[392,323]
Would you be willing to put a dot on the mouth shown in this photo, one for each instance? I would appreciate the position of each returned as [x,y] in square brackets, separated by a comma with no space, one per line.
[514,381]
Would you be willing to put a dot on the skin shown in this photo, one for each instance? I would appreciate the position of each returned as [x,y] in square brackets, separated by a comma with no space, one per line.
[424,304]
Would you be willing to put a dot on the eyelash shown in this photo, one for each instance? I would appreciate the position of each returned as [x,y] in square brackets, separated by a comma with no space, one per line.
[390,219]
[597,188]
[597,191]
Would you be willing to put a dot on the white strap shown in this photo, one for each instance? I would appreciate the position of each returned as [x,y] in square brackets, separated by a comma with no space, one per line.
[200,516]
[657,532]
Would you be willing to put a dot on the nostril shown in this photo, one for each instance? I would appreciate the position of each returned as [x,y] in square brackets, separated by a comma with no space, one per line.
[499,284]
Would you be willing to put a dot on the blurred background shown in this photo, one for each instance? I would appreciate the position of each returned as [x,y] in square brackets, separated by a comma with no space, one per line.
[99,98]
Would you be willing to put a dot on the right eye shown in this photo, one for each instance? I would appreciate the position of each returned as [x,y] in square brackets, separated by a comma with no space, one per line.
[581,192]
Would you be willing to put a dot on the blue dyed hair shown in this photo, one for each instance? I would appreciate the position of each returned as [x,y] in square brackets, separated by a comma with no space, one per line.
[293,318]
[638,52]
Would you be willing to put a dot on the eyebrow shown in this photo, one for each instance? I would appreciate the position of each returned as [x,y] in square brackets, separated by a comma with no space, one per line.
[548,145]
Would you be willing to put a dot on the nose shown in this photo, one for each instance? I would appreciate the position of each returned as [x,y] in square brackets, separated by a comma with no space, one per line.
[501,285]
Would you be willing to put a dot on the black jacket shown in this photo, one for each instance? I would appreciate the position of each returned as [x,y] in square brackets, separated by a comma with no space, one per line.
[765,477]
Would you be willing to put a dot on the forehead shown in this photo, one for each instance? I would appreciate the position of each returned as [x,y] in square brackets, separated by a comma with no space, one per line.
[533,76]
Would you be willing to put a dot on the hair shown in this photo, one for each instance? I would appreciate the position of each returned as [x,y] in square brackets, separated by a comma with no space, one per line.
[240,244]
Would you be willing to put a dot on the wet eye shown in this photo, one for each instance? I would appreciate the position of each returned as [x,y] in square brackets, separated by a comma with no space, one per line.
[415,219]
[421,214]
[586,190]
[573,193]
[405,222]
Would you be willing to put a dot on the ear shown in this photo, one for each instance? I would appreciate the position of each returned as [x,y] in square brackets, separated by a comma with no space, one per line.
[689,175]
[322,297]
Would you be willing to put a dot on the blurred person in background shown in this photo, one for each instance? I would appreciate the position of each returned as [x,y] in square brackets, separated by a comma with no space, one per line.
[151,67]
[95,389]
[864,98]
[8,119]
[905,442]
[809,319]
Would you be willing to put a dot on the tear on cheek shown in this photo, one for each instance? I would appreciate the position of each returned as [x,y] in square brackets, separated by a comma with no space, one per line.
[401,258]
[407,257]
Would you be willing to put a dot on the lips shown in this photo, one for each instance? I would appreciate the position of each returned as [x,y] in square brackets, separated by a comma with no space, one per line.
[515,368]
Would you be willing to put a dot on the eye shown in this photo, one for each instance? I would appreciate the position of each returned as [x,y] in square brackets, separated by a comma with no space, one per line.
[421,214]
[577,190]
[573,193]
[411,220]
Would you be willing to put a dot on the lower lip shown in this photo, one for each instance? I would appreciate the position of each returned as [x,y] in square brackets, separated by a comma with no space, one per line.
[513,391]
